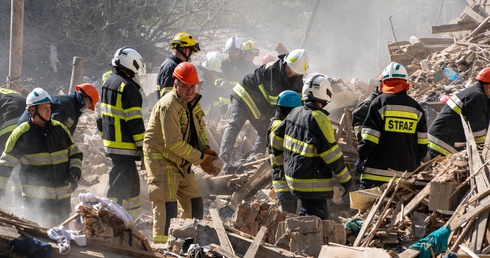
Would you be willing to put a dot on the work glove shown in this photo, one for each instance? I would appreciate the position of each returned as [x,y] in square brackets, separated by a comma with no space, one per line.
[359,166]
[73,181]
[348,187]
[207,163]
[211,152]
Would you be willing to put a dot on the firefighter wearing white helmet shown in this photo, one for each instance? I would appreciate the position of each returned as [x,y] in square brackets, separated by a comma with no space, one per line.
[254,99]
[305,144]
[42,145]
[122,128]
[394,133]
[235,66]
[209,72]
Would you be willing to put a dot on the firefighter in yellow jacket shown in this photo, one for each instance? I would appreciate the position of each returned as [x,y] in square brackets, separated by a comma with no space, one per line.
[175,139]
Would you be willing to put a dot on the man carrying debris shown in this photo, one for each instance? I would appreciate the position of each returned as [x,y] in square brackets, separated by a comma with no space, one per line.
[50,162]
[255,96]
[286,201]
[68,108]
[122,128]
[183,46]
[309,151]
[394,134]
[471,103]
[175,140]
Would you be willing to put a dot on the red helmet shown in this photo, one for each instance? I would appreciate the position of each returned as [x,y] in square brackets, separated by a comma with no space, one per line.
[186,73]
[484,75]
[267,58]
[91,92]
[444,98]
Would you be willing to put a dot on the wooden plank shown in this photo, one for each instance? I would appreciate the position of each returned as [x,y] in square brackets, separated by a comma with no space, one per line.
[453,27]
[480,27]
[413,203]
[409,253]
[342,251]
[482,206]
[221,251]
[241,245]
[261,176]
[372,212]
[254,247]
[220,230]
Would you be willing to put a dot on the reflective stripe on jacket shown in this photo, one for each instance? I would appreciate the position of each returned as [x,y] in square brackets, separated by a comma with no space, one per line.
[47,156]
[394,134]
[472,104]
[278,179]
[169,132]
[259,90]
[123,128]
[310,151]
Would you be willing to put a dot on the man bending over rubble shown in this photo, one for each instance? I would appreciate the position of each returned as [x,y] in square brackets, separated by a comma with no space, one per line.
[175,139]
[50,162]
[472,103]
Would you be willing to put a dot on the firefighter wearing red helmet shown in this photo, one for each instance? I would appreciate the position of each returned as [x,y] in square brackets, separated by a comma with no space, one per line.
[473,104]
[175,140]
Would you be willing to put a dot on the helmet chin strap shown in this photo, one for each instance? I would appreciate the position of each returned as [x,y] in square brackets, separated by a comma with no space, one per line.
[187,57]
[40,117]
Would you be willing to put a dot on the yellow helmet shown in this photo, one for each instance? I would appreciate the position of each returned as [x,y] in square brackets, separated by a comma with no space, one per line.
[250,47]
[184,39]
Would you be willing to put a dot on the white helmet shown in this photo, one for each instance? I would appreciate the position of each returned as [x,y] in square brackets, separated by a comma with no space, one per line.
[38,96]
[128,58]
[395,71]
[297,61]
[233,43]
[213,61]
[317,87]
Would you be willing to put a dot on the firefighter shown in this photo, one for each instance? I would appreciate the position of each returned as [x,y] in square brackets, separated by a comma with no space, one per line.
[310,153]
[122,128]
[254,97]
[50,162]
[67,109]
[360,112]
[394,133]
[209,73]
[175,140]
[183,46]
[12,106]
[286,201]
[250,51]
[473,104]
[235,67]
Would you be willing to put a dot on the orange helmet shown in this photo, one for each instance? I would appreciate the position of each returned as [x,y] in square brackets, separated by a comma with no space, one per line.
[91,92]
[186,73]
[484,75]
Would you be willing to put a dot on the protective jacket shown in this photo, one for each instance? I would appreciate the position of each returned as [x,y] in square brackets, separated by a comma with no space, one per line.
[65,109]
[394,136]
[165,81]
[47,156]
[259,91]
[176,133]
[233,70]
[360,113]
[310,153]
[278,179]
[447,129]
[121,118]
[12,105]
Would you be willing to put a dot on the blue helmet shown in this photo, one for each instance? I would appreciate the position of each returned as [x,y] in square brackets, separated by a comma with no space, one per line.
[289,98]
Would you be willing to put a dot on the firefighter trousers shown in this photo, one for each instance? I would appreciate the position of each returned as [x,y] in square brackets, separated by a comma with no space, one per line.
[167,188]
[124,184]
[239,114]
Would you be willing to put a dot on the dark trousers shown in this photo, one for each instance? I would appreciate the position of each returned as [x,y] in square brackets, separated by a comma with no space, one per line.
[287,202]
[314,207]
[124,181]
[239,114]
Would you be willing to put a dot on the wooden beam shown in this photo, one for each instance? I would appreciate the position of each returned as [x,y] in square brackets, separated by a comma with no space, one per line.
[220,230]
[453,27]
[254,247]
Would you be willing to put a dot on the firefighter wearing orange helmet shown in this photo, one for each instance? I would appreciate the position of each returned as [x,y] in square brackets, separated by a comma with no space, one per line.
[473,104]
[175,139]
